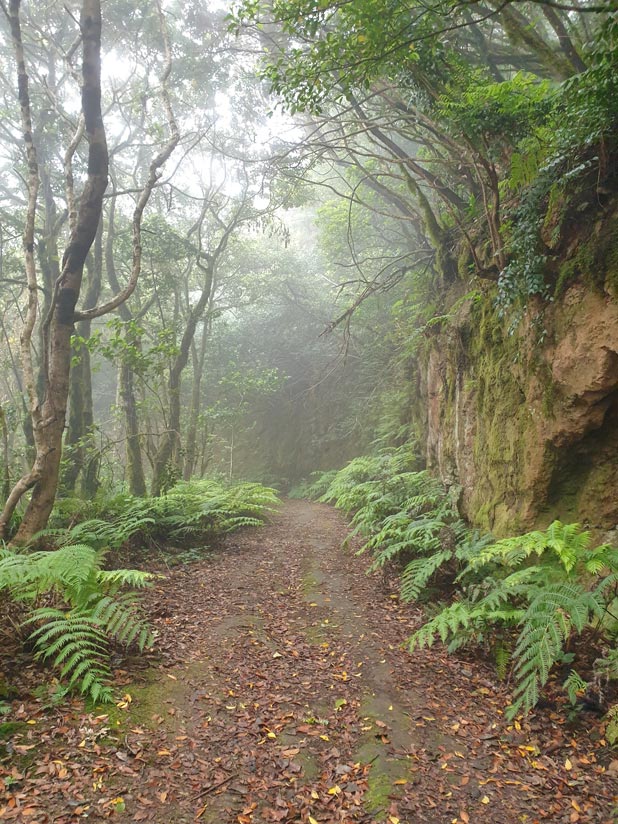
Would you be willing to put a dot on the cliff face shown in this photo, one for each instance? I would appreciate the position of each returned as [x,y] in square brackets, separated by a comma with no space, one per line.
[526,422]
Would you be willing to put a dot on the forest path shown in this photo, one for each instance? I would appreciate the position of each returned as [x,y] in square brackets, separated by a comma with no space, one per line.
[284,694]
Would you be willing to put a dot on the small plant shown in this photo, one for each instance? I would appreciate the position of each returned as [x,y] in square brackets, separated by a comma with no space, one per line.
[89,610]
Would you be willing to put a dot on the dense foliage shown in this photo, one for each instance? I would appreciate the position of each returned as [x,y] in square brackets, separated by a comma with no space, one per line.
[472,128]
[75,607]
[524,598]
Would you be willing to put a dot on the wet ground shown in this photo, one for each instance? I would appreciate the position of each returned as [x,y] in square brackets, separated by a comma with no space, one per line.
[283,692]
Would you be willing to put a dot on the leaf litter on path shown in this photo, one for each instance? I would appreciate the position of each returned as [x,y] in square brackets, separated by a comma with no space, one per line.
[281,692]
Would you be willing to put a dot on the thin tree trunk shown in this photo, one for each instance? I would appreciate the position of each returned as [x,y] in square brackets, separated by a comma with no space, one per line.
[170,441]
[521,32]
[83,457]
[126,379]
[194,412]
[6,469]
[198,360]
[566,44]
[135,466]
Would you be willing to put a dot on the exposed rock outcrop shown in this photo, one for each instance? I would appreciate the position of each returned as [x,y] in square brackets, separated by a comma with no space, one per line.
[526,421]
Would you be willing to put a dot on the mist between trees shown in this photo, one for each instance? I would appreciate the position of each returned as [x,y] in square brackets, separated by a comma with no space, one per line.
[227,233]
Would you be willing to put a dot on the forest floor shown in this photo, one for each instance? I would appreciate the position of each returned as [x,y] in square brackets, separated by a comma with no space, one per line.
[281,691]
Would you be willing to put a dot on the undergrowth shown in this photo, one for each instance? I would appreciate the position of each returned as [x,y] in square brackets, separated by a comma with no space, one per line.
[524,598]
[190,509]
[76,609]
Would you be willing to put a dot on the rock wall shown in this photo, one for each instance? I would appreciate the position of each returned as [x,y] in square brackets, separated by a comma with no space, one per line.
[525,422]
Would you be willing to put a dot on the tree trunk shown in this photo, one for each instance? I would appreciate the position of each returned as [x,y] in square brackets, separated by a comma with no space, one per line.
[170,443]
[83,456]
[566,44]
[521,32]
[126,382]
[58,325]
[196,398]
[135,467]
[6,469]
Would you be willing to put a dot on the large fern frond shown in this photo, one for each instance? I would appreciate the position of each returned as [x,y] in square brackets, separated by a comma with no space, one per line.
[418,572]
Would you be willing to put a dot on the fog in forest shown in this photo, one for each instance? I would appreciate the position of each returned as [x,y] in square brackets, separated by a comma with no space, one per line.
[291,292]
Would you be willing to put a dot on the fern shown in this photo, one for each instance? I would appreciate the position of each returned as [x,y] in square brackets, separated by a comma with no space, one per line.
[206,506]
[539,582]
[419,571]
[448,622]
[76,638]
[78,646]
[566,541]
[546,626]
[502,655]
[190,508]
[575,686]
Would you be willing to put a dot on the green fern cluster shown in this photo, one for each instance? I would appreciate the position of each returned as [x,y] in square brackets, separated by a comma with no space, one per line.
[550,585]
[209,507]
[190,508]
[313,487]
[365,477]
[406,516]
[89,610]
[523,597]
[76,607]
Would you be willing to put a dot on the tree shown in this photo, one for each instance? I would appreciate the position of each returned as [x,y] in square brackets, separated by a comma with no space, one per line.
[48,413]
[424,106]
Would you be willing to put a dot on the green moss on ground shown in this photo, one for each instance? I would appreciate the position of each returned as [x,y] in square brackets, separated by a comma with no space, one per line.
[9,728]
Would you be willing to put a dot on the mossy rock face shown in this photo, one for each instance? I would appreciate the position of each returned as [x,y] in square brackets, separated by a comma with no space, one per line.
[509,399]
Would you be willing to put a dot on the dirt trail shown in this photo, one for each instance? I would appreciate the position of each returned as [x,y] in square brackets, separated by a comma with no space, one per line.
[284,694]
